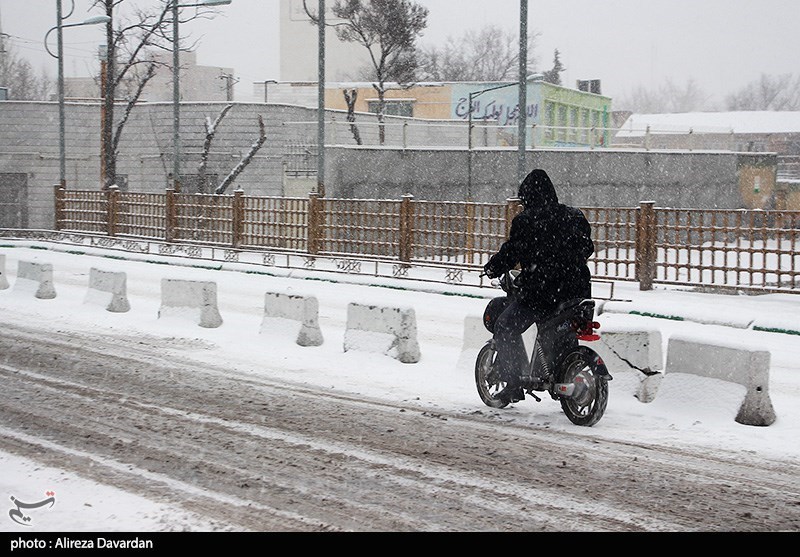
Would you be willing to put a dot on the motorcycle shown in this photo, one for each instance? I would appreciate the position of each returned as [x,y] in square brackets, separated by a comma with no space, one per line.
[569,372]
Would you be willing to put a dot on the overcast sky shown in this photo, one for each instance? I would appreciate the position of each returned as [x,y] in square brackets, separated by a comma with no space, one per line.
[721,44]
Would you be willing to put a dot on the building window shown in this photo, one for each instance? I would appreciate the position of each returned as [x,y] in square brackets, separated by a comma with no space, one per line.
[573,125]
[586,123]
[549,120]
[394,107]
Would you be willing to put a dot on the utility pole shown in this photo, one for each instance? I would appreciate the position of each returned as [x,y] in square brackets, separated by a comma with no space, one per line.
[229,83]
[321,100]
[103,52]
[523,88]
[3,89]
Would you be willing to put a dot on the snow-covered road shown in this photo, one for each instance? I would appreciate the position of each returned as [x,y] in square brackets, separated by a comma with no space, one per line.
[237,429]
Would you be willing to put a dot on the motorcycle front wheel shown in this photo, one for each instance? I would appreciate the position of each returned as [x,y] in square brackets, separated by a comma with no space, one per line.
[586,371]
[487,380]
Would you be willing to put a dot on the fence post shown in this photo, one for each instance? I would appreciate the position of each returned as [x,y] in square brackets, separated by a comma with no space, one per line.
[58,205]
[406,228]
[314,232]
[238,218]
[646,245]
[512,206]
[169,216]
[469,207]
[781,205]
[112,198]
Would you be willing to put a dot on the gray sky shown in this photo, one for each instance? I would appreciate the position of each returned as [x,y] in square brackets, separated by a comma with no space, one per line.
[721,44]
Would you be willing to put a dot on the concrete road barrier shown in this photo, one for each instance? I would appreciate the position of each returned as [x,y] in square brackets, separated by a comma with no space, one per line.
[389,330]
[296,313]
[630,349]
[36,278]
[109,290]
[476,335]
[194,300]
[3,277]
[746,367]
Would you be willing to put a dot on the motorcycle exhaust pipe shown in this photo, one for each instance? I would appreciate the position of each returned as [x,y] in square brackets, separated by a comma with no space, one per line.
[568,389]
[565,389]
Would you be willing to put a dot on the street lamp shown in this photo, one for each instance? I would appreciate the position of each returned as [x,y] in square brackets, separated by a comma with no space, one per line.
[523,88]
[176,92]
[60,56]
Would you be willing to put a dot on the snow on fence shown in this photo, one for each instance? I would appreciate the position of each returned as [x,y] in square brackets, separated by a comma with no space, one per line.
[749,368]
[194,300]
[388,330]
[3,279]
[36,278]
[297,314]
[108,289]
[729,248]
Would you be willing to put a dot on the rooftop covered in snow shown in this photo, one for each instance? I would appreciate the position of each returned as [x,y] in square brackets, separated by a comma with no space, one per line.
[741,122]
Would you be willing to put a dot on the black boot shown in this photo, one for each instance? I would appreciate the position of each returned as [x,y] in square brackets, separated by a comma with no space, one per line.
[512,392]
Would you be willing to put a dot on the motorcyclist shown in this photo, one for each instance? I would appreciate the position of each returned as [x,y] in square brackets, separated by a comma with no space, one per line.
[550,243]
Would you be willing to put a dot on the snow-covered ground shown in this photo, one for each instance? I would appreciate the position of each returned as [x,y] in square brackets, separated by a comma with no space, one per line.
[688,412]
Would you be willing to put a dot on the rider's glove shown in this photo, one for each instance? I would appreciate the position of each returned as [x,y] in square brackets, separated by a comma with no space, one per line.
[490,271]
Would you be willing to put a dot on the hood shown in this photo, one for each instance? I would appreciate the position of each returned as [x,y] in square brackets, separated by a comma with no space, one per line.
[536,190]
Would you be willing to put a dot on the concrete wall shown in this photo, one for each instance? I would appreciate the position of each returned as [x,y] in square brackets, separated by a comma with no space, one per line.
[619,178]
[585,178]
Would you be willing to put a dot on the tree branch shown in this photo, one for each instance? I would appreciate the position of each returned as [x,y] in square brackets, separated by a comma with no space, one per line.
[211,130]
[246,160]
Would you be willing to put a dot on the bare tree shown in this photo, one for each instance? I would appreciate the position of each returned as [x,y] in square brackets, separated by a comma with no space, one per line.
[130,65]
[17,75]
[211,132]
[254,148]
[488,54]
[667,98]
[781,92]
[350,97]
[388,29]
[687,98]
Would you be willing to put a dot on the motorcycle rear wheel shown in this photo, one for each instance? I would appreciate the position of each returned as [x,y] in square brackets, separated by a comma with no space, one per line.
[588,404]
[487,380]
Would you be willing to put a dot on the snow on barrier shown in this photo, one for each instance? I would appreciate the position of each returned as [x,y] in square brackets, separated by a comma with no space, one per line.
[109,290]
[476,335]
[195,300]
[749,368]
[389,330]
[632,349]
[37,278]
[299,315]
[3,278]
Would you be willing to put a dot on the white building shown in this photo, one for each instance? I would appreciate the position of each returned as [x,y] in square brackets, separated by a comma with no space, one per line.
[299,52]
[197,83]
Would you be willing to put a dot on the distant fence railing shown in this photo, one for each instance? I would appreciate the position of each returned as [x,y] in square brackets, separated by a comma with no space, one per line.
[421,133]
[737,249]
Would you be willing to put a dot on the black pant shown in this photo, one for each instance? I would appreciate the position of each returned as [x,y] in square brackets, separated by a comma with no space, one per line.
[511,356]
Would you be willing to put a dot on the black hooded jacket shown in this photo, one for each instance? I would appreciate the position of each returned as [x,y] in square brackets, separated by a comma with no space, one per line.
[551,242]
